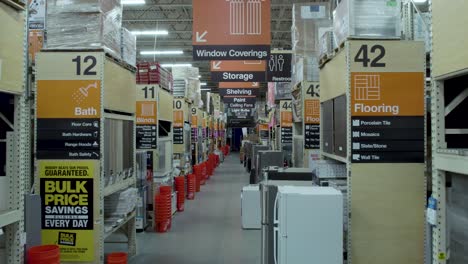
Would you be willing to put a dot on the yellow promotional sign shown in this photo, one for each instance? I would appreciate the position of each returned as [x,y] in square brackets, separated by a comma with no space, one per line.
[67,195]
[68,99]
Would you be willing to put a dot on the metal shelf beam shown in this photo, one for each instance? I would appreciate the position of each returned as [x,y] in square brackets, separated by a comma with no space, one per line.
[9,217]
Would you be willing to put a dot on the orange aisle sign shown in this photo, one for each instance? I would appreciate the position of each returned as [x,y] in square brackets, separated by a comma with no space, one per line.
[239,85]
[231,29]
[312,111]
[387,94]
[238,71]
[68,99]
[146,113]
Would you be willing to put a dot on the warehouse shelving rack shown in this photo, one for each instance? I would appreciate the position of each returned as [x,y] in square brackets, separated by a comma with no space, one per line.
[182,151]
[116,101]
[449,96]
[13,84]
[383,226]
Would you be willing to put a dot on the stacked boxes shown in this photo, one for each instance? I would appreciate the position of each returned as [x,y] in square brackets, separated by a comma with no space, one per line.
[186,83]
[128,48]
[378,19]
[153,73]
[308,19]
[327,42]
[84,24]
[422,22]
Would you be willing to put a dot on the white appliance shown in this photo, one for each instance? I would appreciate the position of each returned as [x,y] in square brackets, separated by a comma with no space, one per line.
[250,207]
[309,225]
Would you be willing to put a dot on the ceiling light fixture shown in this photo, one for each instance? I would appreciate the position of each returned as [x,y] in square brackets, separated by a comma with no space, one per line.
[150,32]
[133,2]
[420,1]
[162,52]
[203,83]
[169,65]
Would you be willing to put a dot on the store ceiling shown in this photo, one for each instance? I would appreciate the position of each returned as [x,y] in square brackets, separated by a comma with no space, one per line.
[175,16]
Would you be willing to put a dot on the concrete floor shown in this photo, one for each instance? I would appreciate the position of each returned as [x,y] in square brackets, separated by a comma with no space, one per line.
[209,230]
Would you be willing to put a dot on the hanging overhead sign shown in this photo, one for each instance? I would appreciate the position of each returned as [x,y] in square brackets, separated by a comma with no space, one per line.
[239,85]
[232,92]
[279,67]
[237,30]
[238,71]
[240,102]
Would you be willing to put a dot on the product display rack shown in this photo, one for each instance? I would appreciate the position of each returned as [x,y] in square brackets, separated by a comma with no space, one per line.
[310,121]
[449,127]
[17,141]
[383,226]
[182,116]
[90,85]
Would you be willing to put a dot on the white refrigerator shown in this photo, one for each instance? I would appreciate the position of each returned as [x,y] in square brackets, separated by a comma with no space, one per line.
[308,225]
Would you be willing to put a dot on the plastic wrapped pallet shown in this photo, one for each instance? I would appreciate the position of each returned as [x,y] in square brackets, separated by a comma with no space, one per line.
[327,42]
[421,29]
[330,169]
[84,24]
[283,91]
[128,48]
[121,203]
[305,67]
[307,18]
[379,19]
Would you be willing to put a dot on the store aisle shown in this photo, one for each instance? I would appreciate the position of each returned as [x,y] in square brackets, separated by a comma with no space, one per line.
[209,230]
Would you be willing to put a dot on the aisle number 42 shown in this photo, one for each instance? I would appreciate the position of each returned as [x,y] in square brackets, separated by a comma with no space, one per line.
[371,57]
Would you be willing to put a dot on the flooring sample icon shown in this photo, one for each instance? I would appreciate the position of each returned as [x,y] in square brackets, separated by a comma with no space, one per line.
[367,87]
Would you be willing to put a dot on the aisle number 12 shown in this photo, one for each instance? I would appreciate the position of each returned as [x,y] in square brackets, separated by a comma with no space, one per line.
[89,61]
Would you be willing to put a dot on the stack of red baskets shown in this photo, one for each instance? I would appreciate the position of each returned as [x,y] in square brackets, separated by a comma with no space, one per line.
[198,176]
[191,186]
[204,172]
[163,212]
[180,187]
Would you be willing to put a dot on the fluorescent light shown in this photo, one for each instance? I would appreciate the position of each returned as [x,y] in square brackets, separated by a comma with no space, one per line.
[133,2]
[150,32]
[420,1]
[169,65]
[203,83]
[207,89]
[162,52]
[199,76]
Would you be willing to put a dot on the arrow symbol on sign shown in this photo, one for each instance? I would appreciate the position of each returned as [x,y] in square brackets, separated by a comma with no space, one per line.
[216,65]
[200,38]
[254,84]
